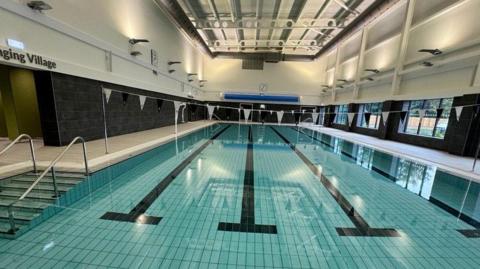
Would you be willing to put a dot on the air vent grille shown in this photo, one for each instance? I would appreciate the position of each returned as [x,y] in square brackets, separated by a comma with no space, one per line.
[252,64]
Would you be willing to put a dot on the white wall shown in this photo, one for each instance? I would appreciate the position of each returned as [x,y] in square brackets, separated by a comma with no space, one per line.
[108,24]
[301,78]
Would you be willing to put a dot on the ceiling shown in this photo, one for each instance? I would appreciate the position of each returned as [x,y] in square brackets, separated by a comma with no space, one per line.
[285,27]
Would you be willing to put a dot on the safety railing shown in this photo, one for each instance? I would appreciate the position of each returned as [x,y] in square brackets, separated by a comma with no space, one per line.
[32,150]
[51,168]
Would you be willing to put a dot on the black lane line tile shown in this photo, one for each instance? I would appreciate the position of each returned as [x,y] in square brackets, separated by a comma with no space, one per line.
[361,226]
[470,233]
[137,214]
[474,233]
[381,172]
[247,219]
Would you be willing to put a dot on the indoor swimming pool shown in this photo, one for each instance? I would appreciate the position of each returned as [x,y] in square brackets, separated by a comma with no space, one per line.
[263,196]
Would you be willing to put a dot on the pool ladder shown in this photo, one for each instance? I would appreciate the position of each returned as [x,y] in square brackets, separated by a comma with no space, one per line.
[51,168]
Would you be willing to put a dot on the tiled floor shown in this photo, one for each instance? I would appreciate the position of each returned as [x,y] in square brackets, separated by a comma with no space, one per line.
[120,147]
[286,194]
[457,164]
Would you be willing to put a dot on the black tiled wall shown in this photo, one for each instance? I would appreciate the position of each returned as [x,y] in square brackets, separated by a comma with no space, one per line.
[76,104]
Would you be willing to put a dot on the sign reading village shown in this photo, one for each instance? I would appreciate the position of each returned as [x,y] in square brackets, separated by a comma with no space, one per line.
[26,58]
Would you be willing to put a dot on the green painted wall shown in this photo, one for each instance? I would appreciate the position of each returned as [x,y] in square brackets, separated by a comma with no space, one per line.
[3,123]
[19,108]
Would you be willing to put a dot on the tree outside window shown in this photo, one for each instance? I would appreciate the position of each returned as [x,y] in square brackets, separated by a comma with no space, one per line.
[375,110]
[429,125]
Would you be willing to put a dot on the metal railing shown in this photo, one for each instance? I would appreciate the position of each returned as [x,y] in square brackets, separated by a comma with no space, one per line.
[42,175]
[32,150]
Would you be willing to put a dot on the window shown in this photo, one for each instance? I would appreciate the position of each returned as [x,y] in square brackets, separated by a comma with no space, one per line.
[429,125]
[341,114]
[375,109]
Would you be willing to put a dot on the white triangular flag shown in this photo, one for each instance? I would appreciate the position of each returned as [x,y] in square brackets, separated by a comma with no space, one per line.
[142,101]
[246,113]
[385,117]
[458,112]
[177,105]
[421,112]
[279,116]
[210,111]
[107,93]
[350,117]
[315,117]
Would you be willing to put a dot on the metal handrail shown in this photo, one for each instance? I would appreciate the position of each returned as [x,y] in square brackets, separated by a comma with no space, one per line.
[42,175]
[32,150]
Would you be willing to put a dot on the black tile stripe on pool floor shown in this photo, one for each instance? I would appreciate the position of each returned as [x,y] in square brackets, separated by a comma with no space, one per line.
[470,233]
[362,228]
[137,214]
[247,219]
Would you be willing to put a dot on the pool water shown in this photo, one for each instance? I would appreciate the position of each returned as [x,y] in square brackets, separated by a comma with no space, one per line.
[245,196]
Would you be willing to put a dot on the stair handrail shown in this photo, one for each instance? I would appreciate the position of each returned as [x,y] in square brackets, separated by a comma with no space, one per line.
[32,149]
[42,175]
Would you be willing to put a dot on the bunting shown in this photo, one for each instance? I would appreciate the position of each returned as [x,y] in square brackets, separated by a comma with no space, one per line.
[385,117]
[367,117]
[439,112]
[246,113]
[124,98]
[458,112]
[403,115]
[350,116]
[210,111]
[142,101]
[159,104]
[108,93]
[279,116]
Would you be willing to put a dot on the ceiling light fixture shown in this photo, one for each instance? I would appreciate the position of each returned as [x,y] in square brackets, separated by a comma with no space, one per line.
[39,5]
[135,53]
[342,80]
[370,79]
[376,71]
[173,62]
[431,51]
[134,41]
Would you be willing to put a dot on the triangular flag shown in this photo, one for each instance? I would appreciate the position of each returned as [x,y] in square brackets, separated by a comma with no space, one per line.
[124,98]
[421,112]
[177,105]
[458,112]
[279,116]
[246,113]
[333,116]
[385,117]
[439,112]
[210,111]
[403,115]
[315,117]
[159,104]
[142,101]
[367,117]
[350,117]
[107,93]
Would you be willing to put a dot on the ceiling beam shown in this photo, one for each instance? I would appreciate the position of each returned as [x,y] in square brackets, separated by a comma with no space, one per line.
[213,7]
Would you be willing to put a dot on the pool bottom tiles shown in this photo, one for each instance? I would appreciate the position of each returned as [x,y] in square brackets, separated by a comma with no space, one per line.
[241,196]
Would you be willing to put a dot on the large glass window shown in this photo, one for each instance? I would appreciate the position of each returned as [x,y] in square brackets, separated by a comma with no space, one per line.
[321,115]
[341,114]
[375,109]
[429,125]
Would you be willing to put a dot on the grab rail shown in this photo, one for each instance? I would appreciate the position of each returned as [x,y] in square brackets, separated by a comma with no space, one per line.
[42,175]
[32,150]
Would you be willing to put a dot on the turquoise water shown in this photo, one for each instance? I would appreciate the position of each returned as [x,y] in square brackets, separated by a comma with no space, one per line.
[386,192]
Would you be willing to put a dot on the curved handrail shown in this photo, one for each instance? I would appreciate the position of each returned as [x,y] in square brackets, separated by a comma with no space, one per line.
[42,175]
[32,150]
[52,164]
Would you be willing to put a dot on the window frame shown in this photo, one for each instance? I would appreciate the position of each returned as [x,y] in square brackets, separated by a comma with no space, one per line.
[362,109]
[441,103]
[341,114]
